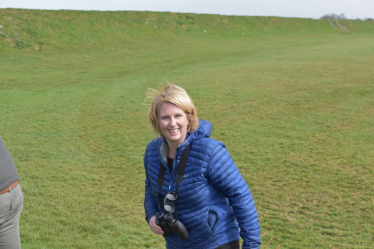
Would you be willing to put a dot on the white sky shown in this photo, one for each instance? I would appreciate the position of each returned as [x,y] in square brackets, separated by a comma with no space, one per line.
[352,9]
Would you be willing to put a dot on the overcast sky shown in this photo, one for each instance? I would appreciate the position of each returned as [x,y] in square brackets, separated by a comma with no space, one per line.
[352,9]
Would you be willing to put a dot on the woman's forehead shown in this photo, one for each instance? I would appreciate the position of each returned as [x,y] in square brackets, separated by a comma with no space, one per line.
[168,107]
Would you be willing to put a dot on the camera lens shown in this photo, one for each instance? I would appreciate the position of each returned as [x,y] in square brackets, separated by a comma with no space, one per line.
[168,218]
[159,215]
[176,226]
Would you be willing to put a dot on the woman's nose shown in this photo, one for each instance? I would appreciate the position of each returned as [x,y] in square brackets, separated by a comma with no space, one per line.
[172,121]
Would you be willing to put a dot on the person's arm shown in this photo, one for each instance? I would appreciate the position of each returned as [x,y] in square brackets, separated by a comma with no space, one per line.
[224,176]
[150,205]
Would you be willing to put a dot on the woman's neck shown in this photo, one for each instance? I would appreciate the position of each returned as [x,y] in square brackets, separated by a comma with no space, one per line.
[171,150]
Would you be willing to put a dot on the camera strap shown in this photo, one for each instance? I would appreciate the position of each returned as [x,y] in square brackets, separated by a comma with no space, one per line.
[178,178]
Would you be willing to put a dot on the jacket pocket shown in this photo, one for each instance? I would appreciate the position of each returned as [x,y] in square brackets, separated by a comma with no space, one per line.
[212,219]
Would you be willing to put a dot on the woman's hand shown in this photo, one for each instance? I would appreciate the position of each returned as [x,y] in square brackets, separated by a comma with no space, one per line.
[156,229]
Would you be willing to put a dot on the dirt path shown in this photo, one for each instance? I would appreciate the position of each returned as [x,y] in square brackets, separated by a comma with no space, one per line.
[341,27]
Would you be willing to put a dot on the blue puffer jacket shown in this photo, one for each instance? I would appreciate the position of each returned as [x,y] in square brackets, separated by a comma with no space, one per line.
[213,198]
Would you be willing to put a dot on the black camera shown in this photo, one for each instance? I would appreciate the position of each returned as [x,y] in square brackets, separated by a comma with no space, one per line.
[171,225]
[164,226]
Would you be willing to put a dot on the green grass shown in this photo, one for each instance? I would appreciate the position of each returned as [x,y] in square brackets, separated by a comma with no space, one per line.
[292,99]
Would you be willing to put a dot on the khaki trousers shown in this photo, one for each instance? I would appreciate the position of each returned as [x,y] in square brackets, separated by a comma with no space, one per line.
[11,204]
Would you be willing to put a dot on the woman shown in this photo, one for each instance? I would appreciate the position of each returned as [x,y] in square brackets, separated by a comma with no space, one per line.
[212,199]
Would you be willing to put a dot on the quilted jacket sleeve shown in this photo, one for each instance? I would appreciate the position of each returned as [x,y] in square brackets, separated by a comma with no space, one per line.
[150,204]
[224,176]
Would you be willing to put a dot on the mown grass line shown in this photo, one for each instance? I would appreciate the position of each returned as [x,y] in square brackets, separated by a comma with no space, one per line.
[295,111]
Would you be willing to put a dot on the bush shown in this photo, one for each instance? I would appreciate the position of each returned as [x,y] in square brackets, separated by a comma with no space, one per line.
[333,16]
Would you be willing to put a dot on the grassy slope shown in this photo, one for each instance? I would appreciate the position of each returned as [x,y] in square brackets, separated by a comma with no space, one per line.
[291,98]
[58,29]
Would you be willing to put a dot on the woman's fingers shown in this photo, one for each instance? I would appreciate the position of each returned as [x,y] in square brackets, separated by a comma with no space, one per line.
[156,229]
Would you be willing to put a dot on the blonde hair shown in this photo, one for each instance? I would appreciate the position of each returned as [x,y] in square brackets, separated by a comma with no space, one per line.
[177,96]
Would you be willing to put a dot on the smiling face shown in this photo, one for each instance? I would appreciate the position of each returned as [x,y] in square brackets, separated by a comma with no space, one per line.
[173,123]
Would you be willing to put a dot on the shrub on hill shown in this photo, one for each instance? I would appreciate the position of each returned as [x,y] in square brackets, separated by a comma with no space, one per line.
[332,16]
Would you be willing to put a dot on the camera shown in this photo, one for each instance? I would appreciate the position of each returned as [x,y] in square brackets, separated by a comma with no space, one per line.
[171,225]
[164,226]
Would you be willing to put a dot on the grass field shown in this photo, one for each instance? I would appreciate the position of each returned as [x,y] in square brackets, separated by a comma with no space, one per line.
[292,99]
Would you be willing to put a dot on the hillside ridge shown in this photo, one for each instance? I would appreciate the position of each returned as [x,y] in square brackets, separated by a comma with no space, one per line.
[22,28]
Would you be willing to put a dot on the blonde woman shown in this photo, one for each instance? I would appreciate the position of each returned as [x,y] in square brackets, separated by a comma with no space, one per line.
[194,194]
